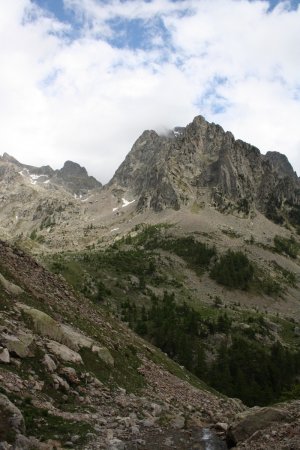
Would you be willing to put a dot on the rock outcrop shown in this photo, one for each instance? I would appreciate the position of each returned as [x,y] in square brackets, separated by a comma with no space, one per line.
[174,170]
[269,428]
[11,420]
[75,178]
[72,177]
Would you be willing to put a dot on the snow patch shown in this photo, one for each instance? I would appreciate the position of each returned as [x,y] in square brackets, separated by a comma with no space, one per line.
[86,199]
[32,176]
[126,202]
[115,209]
[114,229]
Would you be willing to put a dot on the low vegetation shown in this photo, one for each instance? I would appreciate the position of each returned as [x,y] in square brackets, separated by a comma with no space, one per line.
[288,246]
[137,278]
[233,270]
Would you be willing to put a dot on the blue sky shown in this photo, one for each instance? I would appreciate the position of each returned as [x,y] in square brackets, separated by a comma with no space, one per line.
[63,13]
[82,79]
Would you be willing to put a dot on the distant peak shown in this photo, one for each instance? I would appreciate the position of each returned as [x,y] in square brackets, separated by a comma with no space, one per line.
[8,158]
[280,163]
[73,168]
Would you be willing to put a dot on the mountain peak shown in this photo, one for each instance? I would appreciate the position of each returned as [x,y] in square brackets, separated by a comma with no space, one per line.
[73,168]
[8,158]
[164,172]
[281,164]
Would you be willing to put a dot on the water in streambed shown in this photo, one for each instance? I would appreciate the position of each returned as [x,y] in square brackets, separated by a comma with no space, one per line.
[201,439]
[210,441]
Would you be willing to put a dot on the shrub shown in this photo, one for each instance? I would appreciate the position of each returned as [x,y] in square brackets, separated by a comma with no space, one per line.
[195,253]
[284,245]
[233,270]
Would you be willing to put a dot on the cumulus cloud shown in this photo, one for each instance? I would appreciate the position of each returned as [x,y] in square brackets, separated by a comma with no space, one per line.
[84,89]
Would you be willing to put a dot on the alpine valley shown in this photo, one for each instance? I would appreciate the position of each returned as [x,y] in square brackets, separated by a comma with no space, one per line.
[160,311]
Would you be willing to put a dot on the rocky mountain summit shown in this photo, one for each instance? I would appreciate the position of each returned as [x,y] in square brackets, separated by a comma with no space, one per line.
[189,163]
[191,168]
[33,198]
[72,177]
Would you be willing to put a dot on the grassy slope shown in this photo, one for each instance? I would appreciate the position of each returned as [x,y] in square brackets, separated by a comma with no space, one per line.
[153,260]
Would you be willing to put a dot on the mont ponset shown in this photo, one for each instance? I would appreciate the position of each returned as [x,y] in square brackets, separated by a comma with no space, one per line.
[159,311]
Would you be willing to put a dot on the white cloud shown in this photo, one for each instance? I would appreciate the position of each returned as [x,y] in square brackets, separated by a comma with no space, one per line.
[85,100]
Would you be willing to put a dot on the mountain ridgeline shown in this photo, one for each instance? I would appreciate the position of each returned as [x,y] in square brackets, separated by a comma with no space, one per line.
[188,167]
[180,168]
[71,176]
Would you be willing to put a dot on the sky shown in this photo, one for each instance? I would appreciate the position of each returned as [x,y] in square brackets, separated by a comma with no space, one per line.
[80,80]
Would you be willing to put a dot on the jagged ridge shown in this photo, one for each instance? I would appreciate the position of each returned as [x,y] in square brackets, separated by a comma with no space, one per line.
[170,171]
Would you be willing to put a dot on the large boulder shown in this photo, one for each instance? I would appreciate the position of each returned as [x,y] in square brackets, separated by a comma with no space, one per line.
[70,338]
[11,420]
[64,353]
[45,325]
[104,354]
[48,327]
[9,286]
[19,345]
[247,423]
[4,355]
[77,339]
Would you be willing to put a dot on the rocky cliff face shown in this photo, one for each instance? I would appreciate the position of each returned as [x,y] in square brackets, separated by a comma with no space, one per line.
[185,169]
[174,170]
[39,198]
[75,178]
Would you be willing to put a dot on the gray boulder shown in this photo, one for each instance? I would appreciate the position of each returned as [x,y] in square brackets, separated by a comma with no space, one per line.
[11,421]
[249,422]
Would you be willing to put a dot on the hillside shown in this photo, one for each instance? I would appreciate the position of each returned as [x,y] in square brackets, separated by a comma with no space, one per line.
[190,252]
[76,373]
[72,376]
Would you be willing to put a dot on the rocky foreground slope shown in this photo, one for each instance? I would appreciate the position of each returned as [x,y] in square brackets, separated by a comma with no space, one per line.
[71,376]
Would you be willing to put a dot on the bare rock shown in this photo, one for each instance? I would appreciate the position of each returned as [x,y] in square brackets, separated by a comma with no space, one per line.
[69,373]
[20,345]
[149,422]
[4,356]
[78,340]
[167,171]
[10,287]
[177,422]
[45,325]
[60,383]
[116,444]
[49,363]
[104,354]
[251,421]
[64,353]
[221,426]
[11,420]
